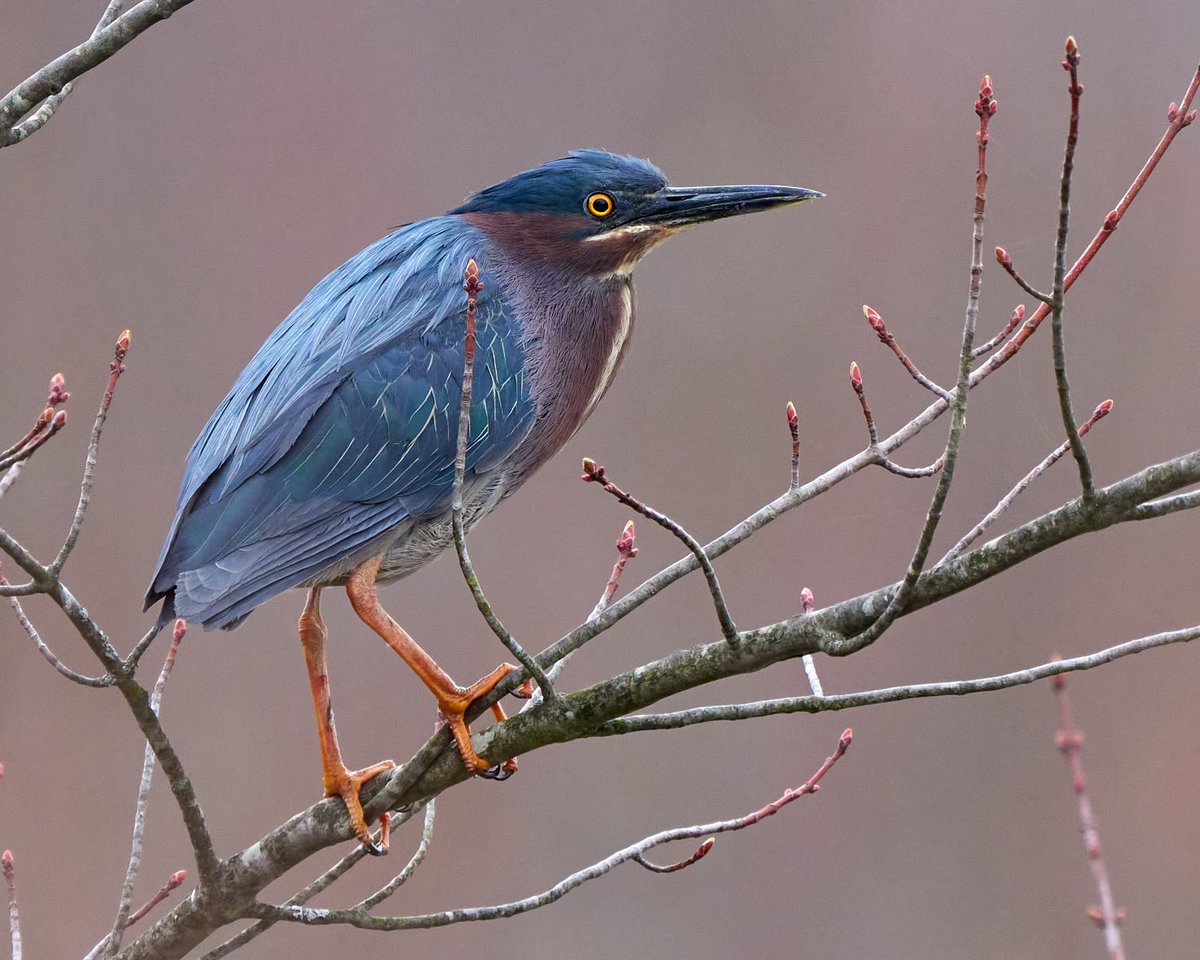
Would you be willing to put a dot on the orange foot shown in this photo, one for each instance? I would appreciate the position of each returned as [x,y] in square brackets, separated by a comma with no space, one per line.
[346,784]
[454,708]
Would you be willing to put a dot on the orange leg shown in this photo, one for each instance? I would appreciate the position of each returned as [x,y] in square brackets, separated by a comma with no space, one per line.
[452,699]
[338,780]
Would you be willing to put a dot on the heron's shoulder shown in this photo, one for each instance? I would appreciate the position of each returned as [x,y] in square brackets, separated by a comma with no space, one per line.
[396,289]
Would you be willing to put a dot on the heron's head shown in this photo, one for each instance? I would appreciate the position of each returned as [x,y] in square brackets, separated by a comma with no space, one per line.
[599,213]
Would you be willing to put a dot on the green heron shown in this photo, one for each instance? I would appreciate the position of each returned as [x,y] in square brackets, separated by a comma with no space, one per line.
[331,460]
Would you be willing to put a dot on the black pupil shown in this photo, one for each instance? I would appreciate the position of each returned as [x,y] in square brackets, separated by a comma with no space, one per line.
[601,204]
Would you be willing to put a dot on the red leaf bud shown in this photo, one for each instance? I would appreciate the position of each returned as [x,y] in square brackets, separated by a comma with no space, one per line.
[626,541]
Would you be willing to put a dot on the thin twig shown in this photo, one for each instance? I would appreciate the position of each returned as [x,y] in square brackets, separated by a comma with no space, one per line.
[856,382]
[410,868]
[107,680]
[14,916]
[1014,321]
[845,701]
[1058,337]
[115,368]
[1006,501]
[810,668]
[174,881]
[794,429]
[594,473]
[1070,744]
[56,423]
[1005,260]
[700,853]
[626,551]
[889,341]
[877,454]
[56,394]
[131,662]
[359,918]
[143,800]
[473,286]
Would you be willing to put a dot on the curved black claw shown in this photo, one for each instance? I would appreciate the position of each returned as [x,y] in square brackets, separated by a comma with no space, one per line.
[374,849]
[499,773]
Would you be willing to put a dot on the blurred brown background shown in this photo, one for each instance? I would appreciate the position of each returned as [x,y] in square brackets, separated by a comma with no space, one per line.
[197,185]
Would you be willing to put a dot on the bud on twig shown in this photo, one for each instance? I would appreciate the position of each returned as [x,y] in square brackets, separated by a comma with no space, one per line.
[627,540]
[58,393]
[876,322]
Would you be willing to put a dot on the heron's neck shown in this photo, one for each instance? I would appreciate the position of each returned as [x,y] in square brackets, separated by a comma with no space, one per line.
[576,330]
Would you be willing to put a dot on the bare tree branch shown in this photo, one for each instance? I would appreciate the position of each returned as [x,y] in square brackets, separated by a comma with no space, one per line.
[33,124]
[53,79]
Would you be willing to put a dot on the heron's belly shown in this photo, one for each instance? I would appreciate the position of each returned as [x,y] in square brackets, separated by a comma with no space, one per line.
[414,542]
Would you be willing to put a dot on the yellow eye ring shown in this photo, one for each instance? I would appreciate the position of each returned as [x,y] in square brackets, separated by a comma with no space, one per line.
[600,205]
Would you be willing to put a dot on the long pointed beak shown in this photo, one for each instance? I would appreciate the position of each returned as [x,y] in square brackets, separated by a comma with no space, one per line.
[681,206]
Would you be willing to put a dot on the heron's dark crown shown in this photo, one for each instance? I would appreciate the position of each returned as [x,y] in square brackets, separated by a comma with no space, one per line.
[563,186]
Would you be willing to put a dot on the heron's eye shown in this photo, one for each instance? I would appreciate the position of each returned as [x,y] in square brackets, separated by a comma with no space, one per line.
[600,205]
